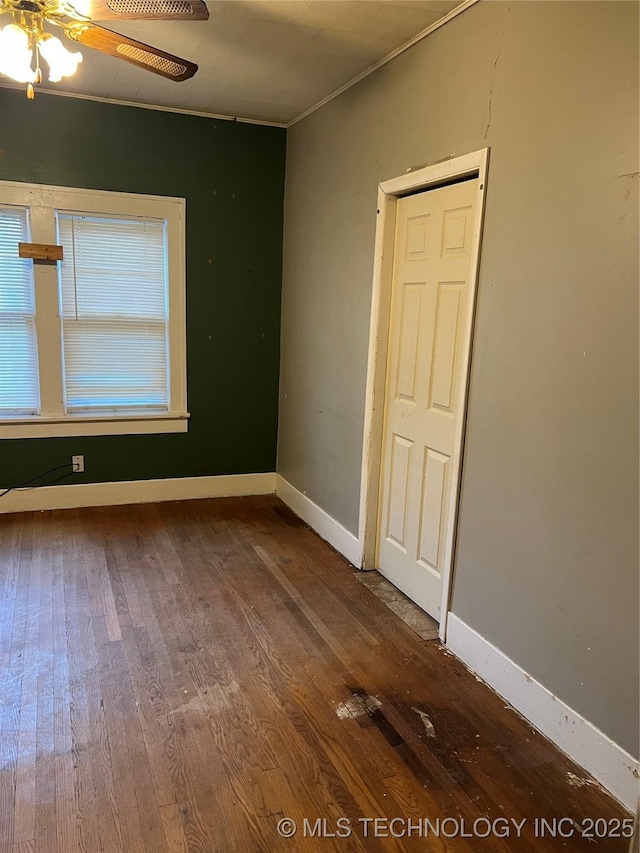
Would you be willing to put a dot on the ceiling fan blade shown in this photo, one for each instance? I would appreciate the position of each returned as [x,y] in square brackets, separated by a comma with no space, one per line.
[136,52]
[136,10]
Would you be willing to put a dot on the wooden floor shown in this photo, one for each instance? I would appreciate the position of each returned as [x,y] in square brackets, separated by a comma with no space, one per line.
[183,676]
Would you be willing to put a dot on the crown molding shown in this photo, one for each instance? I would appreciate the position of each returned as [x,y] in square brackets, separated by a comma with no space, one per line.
[141,106]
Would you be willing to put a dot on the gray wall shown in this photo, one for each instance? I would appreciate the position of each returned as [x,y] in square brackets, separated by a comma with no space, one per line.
[547,559]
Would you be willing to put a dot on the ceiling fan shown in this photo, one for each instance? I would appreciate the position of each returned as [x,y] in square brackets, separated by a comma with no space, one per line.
[24,41]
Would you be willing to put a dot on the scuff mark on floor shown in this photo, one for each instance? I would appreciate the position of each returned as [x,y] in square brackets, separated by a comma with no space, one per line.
[578,781]
[358,706]
[216,698]
[194,704]
[427,722]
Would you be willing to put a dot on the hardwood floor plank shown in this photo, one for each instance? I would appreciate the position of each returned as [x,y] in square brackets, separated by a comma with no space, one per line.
[66,817]
[170,741]
[86,802]
[15,545]
[45,785]
[24,812]
[173,830]
[134,790]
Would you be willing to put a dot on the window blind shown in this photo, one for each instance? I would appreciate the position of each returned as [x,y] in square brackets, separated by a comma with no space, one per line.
[114,306]
[19,390]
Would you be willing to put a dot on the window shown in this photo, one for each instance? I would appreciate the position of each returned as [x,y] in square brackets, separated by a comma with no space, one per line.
[114,313]
[18,361]
[93,344]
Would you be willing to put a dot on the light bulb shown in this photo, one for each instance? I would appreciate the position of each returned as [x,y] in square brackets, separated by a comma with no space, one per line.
[62,63]
[15,54]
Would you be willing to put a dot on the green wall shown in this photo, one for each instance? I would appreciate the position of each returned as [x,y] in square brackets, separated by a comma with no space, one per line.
[232,176]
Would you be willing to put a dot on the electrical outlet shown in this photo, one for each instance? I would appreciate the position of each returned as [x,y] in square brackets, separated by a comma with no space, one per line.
[78,464]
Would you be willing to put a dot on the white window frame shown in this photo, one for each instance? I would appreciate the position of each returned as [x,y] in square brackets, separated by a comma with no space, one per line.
[43,202]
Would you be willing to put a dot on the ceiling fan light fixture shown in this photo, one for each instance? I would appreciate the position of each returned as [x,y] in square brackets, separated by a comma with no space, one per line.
[16,54]
[24,42]
[61,62]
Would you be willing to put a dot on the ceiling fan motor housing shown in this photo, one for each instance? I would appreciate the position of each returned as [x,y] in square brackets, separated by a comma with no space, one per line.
[28,6]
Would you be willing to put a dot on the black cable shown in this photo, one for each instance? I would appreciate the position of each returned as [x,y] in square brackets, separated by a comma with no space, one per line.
[38,477]
[51,482]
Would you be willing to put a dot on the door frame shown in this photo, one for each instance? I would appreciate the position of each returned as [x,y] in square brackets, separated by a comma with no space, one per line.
[473,164]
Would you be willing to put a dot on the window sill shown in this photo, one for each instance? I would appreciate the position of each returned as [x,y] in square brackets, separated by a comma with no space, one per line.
[38,427]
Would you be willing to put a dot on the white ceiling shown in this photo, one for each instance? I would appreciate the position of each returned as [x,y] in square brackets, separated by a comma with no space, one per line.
[267,60]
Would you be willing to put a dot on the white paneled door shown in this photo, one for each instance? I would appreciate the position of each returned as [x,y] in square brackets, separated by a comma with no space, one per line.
[431,304]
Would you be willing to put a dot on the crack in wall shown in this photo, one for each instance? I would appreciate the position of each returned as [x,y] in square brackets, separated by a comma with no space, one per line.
[493,83]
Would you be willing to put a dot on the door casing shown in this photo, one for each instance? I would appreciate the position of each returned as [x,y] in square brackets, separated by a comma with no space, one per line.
[469,165]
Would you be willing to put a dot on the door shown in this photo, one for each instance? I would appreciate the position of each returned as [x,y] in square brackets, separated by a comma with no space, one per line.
[430,305]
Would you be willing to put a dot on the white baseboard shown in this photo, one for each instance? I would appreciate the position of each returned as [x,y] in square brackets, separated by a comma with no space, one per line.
[613,767]
[137,491]
[335,534]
